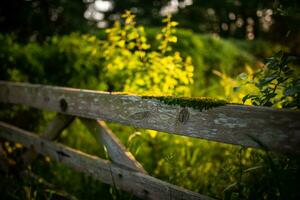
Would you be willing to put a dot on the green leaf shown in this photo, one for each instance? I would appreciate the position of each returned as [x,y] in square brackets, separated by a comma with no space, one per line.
[173,39]
[291,91]
[174,23]
[245,98]
[266,81]
[243,76]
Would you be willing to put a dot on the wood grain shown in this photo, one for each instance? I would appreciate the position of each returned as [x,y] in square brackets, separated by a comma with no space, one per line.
[279,130]
[115,149]
[139,184]
[52,132]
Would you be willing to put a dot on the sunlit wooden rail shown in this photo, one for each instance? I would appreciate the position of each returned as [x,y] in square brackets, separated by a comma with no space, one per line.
[249,126]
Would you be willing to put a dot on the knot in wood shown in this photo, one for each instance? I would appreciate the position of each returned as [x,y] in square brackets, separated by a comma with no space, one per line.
[63,105]
[183,115]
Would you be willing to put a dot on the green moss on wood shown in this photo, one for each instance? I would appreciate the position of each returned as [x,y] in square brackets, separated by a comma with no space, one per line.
[200,103]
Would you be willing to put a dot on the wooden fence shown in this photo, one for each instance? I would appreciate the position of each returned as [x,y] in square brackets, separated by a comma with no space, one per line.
[250,126]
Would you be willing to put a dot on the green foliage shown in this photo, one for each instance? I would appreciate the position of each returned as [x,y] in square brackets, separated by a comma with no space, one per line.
[18,183]
[167,35]
[136,60]
[270,176]
[137,67]
[260,48]
[200,103]
[208,53]
[122,62]
[278,84]
[77,60]
[85,61]
[36,20]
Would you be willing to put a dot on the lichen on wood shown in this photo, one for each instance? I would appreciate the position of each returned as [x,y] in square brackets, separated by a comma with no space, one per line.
[199,103]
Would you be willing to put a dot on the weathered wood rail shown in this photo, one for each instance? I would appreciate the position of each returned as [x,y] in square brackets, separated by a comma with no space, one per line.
[249,126]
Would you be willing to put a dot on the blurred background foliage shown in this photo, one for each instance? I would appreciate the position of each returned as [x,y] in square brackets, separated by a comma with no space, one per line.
[216,51]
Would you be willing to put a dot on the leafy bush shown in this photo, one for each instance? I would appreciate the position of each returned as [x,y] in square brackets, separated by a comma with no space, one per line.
[138,68]
[208,53]
[125,61]
[141,61]
[278,84]
[122,62]
[271,175]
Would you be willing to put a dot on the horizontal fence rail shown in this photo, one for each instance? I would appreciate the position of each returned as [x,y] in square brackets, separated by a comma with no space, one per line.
[140,184]
[249,126]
